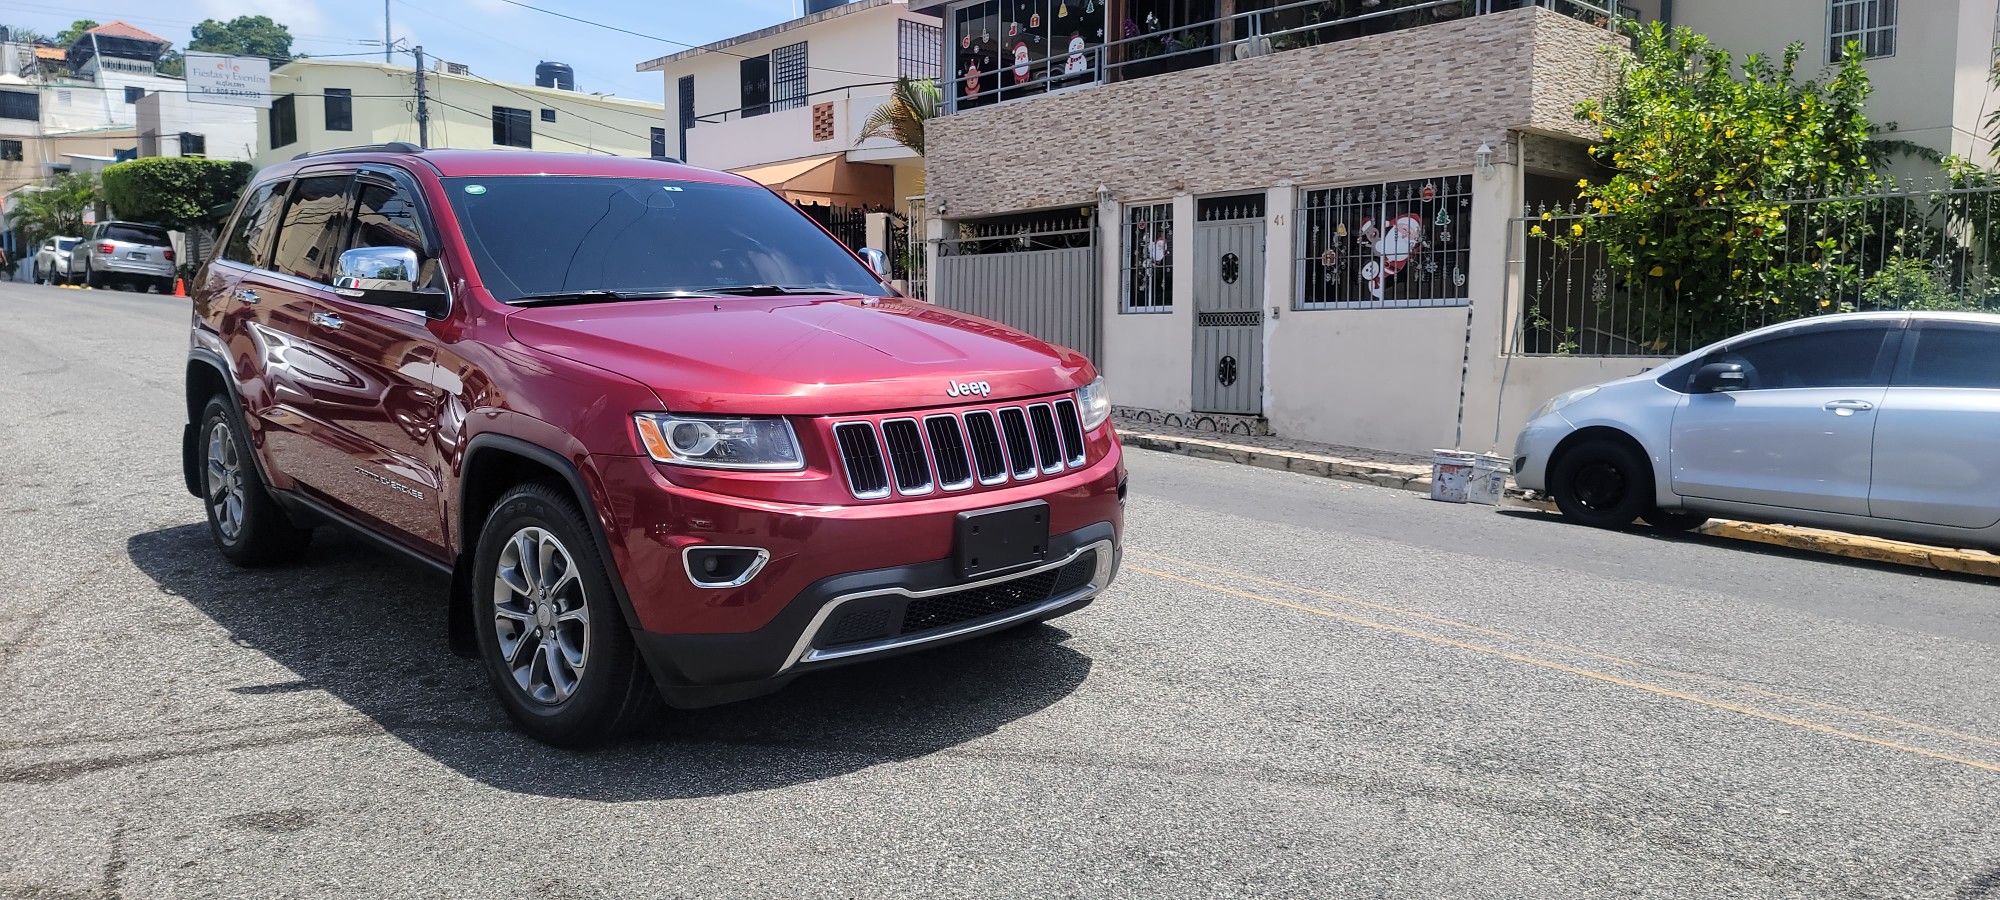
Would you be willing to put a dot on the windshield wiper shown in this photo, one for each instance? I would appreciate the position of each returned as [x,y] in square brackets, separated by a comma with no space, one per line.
[570,298]
[770,290]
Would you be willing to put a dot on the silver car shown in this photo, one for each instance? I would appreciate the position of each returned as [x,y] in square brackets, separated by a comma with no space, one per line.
[124,254]
[1876,423]
[51,262]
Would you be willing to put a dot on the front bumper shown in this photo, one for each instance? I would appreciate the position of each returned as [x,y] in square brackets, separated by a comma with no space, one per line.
[1532,450]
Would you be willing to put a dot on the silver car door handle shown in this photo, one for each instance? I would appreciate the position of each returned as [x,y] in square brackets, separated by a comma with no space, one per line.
[328,321]
[1850,405]
[246,295]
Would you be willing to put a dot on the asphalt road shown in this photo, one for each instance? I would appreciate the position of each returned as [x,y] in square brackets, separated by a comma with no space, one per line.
[1297,688]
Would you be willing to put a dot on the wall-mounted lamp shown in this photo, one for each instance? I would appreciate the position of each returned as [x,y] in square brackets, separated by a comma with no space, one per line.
[1104,194]
[1482,160]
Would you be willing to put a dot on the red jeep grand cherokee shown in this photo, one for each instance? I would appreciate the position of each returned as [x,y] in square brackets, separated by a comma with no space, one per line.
[660,428]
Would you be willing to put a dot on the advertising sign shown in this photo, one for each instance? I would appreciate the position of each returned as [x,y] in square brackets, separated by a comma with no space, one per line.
[231,80]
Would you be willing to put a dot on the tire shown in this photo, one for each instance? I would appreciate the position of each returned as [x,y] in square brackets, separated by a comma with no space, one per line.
[1603,484]
[90,277]
[164,286]
[249,527]
[1674,521]
[587,687]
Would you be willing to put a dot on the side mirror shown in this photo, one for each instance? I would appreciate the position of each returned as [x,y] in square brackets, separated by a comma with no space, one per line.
[875,259]
[1716,378]
[386,276]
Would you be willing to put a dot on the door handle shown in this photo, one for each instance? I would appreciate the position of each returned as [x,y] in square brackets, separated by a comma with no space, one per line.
[328,321]
[1849,407]
[246,295]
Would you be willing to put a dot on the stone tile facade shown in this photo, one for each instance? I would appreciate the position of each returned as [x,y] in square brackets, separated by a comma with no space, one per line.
[1417,100]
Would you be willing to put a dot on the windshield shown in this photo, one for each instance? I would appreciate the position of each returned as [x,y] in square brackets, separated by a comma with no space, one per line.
[65,243]
[538,235]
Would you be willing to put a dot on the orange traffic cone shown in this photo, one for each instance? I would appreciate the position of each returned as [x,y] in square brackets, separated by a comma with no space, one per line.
[180,287]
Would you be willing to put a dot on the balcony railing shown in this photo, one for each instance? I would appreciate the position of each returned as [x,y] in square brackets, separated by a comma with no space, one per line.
[1175,47]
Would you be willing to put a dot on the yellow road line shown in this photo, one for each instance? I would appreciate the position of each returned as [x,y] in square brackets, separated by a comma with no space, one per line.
[1586,673]
[1566,648]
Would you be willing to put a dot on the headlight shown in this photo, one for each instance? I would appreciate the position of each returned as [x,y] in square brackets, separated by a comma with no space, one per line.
[1560,401]
[1094,401]
[720,442]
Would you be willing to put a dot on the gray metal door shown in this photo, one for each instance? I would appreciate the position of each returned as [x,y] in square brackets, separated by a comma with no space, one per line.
[1049,293]
[1229,318]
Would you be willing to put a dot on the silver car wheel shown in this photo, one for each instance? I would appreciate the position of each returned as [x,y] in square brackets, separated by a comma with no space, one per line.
[540,617]
[225,481]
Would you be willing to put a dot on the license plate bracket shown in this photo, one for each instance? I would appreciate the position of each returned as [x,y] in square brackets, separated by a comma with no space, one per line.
[1004,537]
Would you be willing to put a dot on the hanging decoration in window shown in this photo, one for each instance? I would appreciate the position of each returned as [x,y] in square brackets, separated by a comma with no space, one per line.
[1395,244]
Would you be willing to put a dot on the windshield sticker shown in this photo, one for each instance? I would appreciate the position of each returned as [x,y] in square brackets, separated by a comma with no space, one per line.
[475,189]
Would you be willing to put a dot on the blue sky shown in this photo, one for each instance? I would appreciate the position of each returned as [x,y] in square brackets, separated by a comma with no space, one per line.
[498,41]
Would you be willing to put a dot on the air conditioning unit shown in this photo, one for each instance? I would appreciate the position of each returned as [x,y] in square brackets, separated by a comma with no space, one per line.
[452,68]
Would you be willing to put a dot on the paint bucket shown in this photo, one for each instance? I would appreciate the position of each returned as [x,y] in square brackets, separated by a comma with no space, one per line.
[1489,480]
[1451,475]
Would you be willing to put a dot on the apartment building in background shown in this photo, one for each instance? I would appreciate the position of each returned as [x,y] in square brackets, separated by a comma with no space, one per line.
[1306,218]
[784,105]
[325,104]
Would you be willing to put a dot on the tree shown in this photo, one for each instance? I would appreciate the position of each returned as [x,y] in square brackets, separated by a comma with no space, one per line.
[22,35]
[244,36]
[75,30]
[182,193]
[914,102]
[57,210]
[1703,157]
[171,63]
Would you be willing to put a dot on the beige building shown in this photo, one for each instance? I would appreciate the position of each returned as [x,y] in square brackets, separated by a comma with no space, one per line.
[324,104]
[1306,218]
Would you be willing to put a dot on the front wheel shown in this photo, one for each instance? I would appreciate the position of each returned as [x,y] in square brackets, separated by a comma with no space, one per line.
[1603,484]
[556,646]
[249,527]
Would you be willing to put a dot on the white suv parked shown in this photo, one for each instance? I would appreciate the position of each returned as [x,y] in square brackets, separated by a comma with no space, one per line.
[126,254]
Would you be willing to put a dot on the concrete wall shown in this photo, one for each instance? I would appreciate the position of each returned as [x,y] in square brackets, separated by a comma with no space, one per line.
[229,131]
[460,109]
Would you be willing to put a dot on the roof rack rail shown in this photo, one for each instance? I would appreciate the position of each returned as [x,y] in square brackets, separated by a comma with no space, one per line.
[390,147]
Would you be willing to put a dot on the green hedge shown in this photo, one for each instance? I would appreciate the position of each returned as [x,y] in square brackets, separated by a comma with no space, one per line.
[177,192]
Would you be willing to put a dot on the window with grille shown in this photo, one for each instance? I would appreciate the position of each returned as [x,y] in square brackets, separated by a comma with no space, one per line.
[11,151]
[193,144]
[339,109]
[134,93]
[1394,245]
[1149,258]
[685,103]
[659,146]
[19,105]
[548,115]
[284,121]
[1870,23]
[919,50]
[788,77]
[511,127]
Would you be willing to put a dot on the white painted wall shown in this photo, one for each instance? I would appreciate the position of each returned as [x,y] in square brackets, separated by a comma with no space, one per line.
[1148,357]
[230,131]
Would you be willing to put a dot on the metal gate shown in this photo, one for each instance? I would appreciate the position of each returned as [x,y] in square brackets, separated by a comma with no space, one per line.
[1228,306]
[1038,275]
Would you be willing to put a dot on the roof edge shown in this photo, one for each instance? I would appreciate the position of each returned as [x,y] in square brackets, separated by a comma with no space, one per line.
[845,9]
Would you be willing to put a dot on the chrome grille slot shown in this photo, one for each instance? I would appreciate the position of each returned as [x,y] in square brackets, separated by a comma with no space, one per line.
[1047,445]
[1072,431]
[1020,448]
[867,477]
[907,460]
[954,469]
[988,455]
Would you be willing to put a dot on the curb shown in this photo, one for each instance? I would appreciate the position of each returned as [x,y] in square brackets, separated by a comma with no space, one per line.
[1418,479]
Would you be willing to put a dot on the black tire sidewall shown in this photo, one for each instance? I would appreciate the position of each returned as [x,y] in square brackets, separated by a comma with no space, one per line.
[1638,481]
[218,411]
[590,713]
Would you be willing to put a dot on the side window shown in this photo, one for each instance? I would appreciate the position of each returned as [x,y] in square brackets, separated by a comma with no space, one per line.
[1962,356]
[1841,357]
[314,228]
[385,216]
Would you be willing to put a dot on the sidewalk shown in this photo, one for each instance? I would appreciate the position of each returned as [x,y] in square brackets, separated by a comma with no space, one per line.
[1412,472]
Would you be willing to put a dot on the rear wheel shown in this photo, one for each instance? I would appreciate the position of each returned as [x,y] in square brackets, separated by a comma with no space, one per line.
[249,527]
[556,646]
[90,277]
[1602,483]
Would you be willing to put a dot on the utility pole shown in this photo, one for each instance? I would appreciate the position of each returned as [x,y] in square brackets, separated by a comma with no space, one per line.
[388,46]
[423,108]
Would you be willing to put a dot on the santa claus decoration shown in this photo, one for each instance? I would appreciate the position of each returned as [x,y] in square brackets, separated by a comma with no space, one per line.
[1021,67]
[1393,247]
[972,79]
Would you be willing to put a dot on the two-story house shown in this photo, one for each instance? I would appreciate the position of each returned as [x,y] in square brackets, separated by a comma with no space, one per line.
[1299,215]
[784,104]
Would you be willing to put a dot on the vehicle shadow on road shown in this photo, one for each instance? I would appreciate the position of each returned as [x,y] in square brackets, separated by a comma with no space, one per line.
[370,630]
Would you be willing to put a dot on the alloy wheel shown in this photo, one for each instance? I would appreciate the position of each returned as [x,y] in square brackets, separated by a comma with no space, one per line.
[225,481]
[540,617]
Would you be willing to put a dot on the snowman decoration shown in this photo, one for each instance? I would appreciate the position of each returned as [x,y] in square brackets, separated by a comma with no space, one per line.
[1076,64]
[1393,247]
[1021,68]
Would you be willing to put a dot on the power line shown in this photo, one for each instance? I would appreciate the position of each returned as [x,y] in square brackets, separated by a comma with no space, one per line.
[489,119]
[655,37]
[540,100]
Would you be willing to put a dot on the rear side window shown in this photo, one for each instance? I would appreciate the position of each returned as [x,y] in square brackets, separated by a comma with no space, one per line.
[250,235]
[314,228]
[1828,357]
[136,234]
[1962,356]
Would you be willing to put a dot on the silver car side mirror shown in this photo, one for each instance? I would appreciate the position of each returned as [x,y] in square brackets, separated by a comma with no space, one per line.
[875,259]
[386,276]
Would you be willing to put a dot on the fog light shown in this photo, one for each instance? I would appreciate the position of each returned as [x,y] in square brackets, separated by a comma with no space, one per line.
[723,567]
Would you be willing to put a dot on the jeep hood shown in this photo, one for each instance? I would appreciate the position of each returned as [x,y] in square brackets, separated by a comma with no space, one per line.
[801,355]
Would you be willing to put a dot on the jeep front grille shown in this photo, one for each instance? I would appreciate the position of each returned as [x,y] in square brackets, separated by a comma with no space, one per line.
[954,451]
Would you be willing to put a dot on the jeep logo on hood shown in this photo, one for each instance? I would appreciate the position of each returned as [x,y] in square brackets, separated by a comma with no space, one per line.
[968,388]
